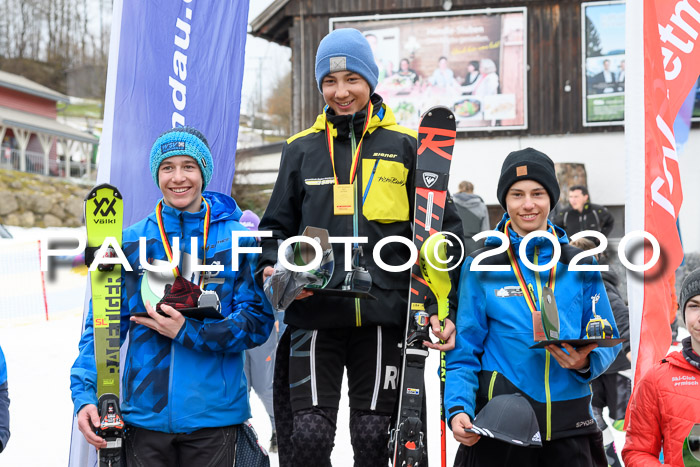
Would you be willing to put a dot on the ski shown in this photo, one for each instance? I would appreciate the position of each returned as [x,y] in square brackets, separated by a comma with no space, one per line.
[436,137]
[433,266]
[103,219]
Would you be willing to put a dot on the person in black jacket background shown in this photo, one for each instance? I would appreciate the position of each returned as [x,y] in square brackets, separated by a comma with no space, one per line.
[612,389]
[583,215]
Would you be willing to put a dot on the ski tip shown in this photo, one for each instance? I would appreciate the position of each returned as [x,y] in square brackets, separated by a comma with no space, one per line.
[439,111]
[93,192]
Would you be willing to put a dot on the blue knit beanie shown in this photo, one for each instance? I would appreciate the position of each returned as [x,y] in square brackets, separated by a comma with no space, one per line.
[346,50]
[183,141]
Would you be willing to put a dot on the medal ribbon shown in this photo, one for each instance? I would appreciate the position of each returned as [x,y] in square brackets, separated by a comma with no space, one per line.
[356,158]
[529,299]
[166,243]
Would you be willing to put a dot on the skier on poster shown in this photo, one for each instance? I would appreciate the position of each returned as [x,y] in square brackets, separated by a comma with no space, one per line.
[351,173]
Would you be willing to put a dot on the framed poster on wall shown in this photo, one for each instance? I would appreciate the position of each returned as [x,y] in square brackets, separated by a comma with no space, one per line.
[603,56]
[473,62]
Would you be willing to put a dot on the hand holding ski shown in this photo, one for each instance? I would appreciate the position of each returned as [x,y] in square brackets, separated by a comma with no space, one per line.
[88,421]
[444,331]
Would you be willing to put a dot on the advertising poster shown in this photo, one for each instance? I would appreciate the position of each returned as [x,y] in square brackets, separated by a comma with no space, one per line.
[603,35]
[469,61]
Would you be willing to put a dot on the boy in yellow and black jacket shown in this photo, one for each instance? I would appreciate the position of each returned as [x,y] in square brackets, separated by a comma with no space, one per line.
[351,173]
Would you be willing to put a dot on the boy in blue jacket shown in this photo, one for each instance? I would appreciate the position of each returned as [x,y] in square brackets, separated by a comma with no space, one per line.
[184,392]
[495,323]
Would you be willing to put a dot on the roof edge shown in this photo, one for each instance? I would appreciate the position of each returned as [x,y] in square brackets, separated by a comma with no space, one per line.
[58,97]
[258,22]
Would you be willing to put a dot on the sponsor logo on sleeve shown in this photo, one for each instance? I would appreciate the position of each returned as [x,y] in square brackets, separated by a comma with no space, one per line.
[319,181]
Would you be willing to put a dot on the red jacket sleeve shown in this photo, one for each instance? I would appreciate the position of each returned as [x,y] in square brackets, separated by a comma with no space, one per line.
[644,431]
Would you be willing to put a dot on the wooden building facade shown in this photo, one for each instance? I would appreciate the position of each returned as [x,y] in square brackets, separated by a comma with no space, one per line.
[554,55]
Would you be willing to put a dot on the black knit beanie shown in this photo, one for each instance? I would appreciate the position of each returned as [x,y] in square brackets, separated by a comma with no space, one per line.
[689,289]
[528,164]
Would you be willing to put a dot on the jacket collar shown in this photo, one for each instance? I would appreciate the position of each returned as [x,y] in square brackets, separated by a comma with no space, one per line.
[382,116]
[223,207]
[678,359]
[515,238]
[689,354]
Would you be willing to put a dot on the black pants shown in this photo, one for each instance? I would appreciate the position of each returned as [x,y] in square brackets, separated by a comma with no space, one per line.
[208,447]
[306,431]
[576,451]
[612,391]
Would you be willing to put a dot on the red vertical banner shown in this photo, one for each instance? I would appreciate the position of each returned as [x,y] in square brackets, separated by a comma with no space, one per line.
[671,66]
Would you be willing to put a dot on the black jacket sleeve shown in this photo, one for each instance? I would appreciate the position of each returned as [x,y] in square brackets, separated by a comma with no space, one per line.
[621,314]
[283,213]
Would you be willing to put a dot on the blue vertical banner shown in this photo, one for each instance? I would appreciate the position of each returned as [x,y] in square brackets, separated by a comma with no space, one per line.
[172,63]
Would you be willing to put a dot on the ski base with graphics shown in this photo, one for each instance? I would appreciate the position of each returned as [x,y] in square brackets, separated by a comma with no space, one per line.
[103,219]
[436,137]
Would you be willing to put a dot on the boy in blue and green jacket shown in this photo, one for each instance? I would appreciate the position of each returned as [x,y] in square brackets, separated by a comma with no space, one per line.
[495,322]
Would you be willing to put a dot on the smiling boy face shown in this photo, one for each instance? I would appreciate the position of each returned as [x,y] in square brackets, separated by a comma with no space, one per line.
[527,203]
[345,92]
[180,180]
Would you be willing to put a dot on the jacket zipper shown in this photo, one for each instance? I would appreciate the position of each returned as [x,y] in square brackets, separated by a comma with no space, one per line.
[355,215]
[170,387]
[492,383]
[549,396]
[369,183]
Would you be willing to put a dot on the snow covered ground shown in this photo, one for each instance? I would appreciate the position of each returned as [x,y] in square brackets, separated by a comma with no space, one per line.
[39,356]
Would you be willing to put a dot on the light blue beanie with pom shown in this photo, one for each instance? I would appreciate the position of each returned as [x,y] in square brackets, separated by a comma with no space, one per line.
[183,141]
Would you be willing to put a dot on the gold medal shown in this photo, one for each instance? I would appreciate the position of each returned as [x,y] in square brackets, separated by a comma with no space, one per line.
[343,200]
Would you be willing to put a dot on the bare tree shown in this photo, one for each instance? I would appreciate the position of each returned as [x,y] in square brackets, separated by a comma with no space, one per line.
[45,39]
[23,26]
[279,104]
